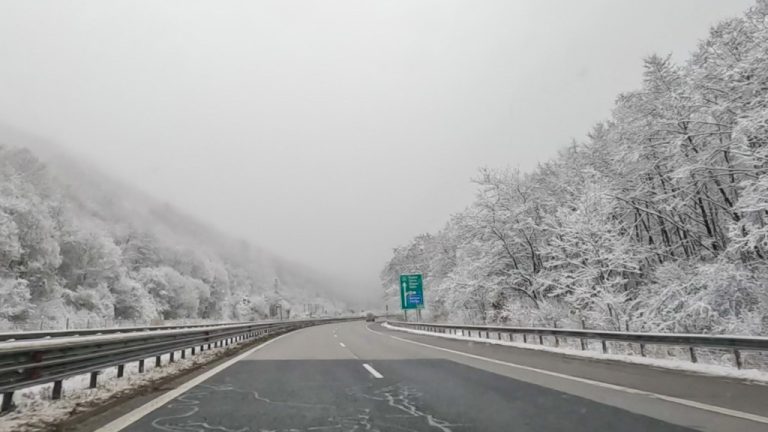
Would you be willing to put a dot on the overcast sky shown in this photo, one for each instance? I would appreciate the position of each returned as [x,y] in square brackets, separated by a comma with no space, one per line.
[327,131]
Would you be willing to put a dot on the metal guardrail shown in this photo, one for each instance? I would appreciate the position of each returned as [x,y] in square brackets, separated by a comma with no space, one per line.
[10,336]
[26,363]
[736,344]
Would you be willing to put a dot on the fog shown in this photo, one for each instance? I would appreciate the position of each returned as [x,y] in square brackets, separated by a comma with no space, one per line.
[327,132]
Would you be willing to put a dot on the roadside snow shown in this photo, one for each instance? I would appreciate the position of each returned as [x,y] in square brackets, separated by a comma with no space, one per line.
[37,411]
[753,375]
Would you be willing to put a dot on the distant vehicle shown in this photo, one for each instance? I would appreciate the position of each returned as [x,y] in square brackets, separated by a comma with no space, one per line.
[370,317]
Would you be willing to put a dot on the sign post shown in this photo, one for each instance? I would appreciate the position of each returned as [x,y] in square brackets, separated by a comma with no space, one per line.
[411,293]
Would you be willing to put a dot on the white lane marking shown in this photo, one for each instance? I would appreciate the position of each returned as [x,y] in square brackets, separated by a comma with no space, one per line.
[373,371]
[680,401]
[133,416]
[342,344]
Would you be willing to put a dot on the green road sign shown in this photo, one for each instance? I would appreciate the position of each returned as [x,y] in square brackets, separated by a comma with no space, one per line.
[411,292]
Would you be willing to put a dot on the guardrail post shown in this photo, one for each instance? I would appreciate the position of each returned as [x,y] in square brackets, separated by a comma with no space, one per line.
[192,352]
[694,359]
[499,335]
[642,350]
[120,370]
[184,353]
[583,326]
[157,361]
[94,378]
[7,402]
[541,340]
[141,366]
[56,394]
[487,334]
[172,357]
[605,346]
[583,344]
[737,358]
[525,338]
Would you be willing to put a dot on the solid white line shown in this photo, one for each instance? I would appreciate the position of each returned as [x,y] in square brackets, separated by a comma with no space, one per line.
[686,402]
[373,371]
[133,416]
[342,344]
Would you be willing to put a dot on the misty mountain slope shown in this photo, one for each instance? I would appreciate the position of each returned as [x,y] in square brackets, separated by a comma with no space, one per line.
[657,222]
[77,244]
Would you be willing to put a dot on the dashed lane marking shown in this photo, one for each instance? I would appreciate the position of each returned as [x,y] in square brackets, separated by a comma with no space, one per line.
[373,371]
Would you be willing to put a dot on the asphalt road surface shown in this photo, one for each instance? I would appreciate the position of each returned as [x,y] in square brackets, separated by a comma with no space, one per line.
[363,377]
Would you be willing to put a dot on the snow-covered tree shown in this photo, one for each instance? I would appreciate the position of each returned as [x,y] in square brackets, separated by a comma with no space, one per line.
[657,221]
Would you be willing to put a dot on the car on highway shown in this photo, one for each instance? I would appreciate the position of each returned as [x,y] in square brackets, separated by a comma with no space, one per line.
[370,317]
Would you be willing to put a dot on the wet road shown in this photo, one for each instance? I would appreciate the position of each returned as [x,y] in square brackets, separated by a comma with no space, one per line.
[358,377]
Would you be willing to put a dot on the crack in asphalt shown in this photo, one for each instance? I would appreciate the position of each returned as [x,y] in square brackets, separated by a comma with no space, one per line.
[400,397]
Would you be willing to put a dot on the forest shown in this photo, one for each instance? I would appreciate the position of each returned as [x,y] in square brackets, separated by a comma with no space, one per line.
[79,248]
[656,221]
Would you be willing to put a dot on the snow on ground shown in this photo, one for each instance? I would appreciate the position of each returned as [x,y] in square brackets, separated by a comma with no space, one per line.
[753,375]
[35,408]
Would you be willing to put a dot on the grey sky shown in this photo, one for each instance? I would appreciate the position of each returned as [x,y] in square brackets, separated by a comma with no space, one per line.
[327,131]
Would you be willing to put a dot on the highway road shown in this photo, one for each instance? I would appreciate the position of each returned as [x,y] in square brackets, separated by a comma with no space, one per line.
[362,377]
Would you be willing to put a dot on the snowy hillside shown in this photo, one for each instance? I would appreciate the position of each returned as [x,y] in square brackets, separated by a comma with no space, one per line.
[75,244]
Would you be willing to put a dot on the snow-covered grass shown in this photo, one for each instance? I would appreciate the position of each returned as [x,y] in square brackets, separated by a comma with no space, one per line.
[754,375]
[35,410]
